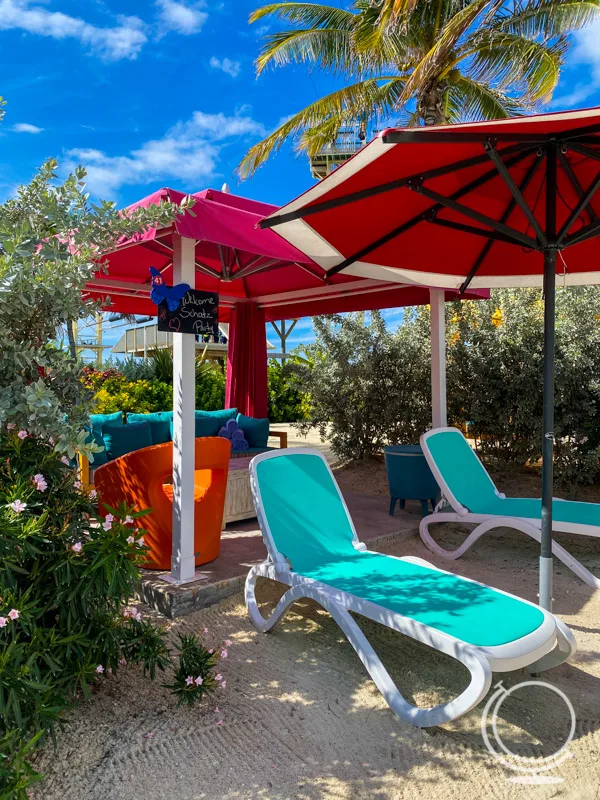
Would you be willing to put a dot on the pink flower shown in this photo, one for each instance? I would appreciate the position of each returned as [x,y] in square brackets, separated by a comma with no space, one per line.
[130,611]
[128,520]
[93,494]
[10,426]
[148,735]
[40,482]
[51,441]
[228,642]
[138,617]
[223,653]
[140,541]
[223,684]
[219,723]
[205,631]
[3,622]
[199,681]
[13,614]
[65,461]
[123,662]
[217,710]
[107,525]
[212,650]
[218,677]
[108,518]
[76,548]
[189,680]
[130,540]
[22,435]
[78,484]
[99,669]
[17,506]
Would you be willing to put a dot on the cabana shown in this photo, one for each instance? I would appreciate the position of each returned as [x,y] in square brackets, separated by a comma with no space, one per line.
[259,277]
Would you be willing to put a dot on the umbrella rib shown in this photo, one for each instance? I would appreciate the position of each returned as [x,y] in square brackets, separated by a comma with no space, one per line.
[575,182]
[515,191]
[306,268]
[583,203]
[584,150]
[504,218]
[591,230]
[427,215]
[516,236]
[381,188]
[494,236]
[266,265]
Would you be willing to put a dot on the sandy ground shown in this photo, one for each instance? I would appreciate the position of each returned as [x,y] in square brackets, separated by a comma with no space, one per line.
[302,720]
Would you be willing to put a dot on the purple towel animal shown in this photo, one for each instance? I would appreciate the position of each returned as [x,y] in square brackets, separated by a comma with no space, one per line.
[232,431]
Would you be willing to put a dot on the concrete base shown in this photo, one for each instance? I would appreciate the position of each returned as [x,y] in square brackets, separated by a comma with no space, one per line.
[242,547]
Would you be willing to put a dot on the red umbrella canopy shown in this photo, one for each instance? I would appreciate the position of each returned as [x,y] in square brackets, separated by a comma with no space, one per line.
[241,262]
[457,206]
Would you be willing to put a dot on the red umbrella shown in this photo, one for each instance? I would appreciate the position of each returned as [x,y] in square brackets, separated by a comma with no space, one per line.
[476,205]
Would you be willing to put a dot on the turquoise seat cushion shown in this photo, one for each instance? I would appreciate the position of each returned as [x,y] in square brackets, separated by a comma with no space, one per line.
[255,430]
[470,483]
[160,424]
[122,439]
[98,420]
[311,528]
[308,522]
[475,614]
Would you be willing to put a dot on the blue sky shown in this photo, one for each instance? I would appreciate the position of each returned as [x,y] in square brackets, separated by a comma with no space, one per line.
[164,93]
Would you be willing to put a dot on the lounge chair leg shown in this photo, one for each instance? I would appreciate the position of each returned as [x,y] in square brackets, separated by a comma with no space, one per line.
[498,522]
[478,666]
[402,504]
[392,505]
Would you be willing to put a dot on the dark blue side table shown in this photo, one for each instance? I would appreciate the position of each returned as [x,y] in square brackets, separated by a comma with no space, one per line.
[409,477]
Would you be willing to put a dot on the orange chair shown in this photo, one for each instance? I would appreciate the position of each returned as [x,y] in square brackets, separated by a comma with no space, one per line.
[140,480]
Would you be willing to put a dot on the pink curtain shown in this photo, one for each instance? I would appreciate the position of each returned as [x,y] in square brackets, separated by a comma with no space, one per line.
[246,387]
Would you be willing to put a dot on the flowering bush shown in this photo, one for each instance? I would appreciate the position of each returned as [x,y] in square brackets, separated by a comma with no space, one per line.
[66,619]
[138,397]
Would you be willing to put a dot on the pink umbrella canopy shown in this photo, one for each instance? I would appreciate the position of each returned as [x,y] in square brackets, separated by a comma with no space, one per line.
[241,262]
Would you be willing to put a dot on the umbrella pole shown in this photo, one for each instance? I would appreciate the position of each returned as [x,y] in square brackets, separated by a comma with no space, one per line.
[548,429]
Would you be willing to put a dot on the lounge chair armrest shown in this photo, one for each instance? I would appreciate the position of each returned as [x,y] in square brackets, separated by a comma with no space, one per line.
[282,436]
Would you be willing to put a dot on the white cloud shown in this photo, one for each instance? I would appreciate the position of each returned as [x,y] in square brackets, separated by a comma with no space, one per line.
[188,152]
[124,40]
[228,66]
[181,17]
[26,127]
[574,98]
[587,50]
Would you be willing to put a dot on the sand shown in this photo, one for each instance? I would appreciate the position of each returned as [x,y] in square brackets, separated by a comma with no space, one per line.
[301,719]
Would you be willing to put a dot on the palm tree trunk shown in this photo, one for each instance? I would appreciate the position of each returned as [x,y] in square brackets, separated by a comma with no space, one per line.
[71,337]
[430,103]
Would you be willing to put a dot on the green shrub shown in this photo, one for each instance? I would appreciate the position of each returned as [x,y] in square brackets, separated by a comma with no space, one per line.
[138,397]
[285,396]
[66,581]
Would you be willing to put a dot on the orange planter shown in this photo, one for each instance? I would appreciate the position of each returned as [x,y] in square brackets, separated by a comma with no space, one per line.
[142,480]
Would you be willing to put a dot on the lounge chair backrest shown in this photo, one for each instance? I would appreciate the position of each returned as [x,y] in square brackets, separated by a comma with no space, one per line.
[301,509]
[459,472]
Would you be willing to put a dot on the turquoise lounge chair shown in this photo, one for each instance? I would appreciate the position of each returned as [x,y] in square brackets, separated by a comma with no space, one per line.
[471,494]
[313,548]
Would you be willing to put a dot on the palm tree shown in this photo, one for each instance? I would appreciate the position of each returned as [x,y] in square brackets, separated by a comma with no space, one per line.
[418,62]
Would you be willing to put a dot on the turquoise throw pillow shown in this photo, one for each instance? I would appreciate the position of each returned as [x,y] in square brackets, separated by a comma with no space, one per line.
[98,420]
[255,430]
[209,423]
[160,424]
[122,439]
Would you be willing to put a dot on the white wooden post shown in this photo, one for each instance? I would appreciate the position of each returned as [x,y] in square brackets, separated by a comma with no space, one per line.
[184,404]
[438,358]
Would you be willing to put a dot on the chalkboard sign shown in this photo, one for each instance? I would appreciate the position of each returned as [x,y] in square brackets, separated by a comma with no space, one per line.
[197,313]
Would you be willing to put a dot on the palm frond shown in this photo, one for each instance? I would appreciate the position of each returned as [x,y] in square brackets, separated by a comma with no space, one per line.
[330,49]
[547,19]
[310,15]
[470,100]
[365,97]
[391,12]
[507,60]
[436,58]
